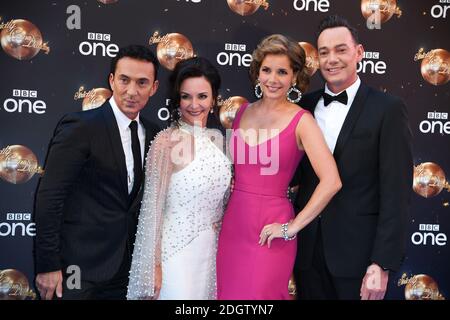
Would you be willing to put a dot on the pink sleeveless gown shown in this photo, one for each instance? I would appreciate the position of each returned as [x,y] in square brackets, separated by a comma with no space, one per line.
[245,270]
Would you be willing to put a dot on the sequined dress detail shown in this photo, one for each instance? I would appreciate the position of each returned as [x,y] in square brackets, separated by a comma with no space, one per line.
[185,242]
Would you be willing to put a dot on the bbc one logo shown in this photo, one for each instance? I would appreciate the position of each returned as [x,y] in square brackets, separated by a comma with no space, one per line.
[429,234]
[371,63]
[440,10]
[98,45]
[437,122]
[312,5]
[24,101]
[18,224]
[234,54]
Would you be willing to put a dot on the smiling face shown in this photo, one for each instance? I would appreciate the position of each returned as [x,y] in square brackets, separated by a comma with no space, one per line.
[338,58]
[276,76]
[133,83]
[196,100]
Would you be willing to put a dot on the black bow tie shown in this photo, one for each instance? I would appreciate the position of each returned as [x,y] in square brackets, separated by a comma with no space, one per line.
[341,97]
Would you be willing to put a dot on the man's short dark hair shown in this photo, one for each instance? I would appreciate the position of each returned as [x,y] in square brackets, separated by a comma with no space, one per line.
[138,52]
[336,21]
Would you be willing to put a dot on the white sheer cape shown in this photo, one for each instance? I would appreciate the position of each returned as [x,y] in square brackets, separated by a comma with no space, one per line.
[146,253]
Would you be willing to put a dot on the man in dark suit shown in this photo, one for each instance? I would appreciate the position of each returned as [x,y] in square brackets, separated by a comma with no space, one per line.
[348,251]
[88,200]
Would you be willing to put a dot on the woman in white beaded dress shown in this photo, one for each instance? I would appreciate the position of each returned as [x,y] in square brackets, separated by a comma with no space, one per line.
[187,179]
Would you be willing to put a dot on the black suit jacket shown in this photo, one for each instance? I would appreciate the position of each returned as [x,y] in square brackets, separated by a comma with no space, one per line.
[366,220]
[83,213]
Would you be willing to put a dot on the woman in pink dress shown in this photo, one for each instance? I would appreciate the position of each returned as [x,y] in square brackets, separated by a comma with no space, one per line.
[256,256]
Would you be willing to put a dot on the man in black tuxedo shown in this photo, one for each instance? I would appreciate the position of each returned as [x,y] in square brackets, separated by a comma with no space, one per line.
[88,200]
[348,251]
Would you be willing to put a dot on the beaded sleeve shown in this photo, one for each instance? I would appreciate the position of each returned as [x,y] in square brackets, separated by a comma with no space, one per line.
[147,247]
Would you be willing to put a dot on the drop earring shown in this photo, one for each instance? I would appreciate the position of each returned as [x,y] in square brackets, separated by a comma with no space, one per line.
[297,91]
[258,90]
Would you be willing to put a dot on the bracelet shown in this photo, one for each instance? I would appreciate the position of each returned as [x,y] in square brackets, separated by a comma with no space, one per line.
[284,233]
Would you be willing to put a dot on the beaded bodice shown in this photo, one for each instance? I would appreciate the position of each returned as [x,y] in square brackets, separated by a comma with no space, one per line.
[195,194]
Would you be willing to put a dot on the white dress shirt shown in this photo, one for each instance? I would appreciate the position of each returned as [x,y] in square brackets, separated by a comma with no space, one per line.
[123,123]
[331,118]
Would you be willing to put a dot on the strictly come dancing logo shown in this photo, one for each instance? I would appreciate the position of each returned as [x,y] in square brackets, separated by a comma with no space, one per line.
[21,39]
[14,285]
[247,7]
[171,48]
[18,164]
[228,109]
[378,12]
[93,98]
[312,57]
[429,180]
[420,287]
[435,65]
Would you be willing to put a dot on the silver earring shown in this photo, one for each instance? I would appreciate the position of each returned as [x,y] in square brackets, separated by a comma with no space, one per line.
[297,91]
[179,113]
[258,90]
[211,110]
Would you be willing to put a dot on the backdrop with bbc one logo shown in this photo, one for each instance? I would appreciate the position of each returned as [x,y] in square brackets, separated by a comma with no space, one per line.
[55,59]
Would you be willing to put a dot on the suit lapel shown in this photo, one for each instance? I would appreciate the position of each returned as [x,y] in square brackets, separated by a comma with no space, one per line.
[310,101]
[350,120]
[116,145]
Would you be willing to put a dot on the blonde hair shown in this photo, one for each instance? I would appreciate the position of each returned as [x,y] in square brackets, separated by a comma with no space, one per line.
[281,45]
